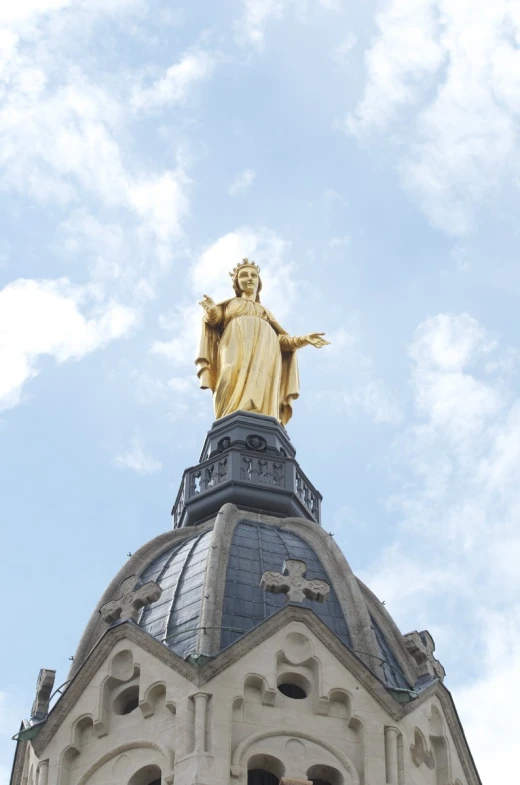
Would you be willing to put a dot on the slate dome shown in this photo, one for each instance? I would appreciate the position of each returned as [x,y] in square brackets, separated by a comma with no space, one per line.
[245,509]
[181,571]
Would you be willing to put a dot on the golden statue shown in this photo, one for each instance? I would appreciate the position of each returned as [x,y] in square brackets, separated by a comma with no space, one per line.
[246,358]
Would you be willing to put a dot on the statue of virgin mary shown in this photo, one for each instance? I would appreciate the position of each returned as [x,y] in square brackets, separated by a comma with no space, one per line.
[246,358]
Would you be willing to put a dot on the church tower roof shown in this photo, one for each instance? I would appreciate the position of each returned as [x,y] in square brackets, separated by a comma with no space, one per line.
[240,646]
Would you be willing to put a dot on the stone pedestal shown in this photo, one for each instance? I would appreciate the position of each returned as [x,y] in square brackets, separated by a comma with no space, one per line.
[248,460]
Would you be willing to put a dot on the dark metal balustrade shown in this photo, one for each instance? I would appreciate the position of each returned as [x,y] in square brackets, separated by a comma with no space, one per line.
[248,460]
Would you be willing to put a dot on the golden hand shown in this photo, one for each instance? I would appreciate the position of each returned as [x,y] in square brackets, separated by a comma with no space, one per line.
[315,339]
[207,303]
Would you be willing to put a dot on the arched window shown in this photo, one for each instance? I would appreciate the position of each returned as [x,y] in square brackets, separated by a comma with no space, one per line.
[324,775]
[264,770]
[261,777]
[148,775]
[294,685]
[127,701]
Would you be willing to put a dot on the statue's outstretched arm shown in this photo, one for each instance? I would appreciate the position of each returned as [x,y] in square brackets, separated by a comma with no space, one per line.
[213,313]
[289,343]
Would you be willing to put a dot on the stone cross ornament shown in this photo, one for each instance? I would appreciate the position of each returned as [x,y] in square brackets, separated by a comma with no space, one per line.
[293,584]
[134,595]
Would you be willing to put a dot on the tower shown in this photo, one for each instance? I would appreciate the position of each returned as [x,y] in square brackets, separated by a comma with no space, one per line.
[240,649]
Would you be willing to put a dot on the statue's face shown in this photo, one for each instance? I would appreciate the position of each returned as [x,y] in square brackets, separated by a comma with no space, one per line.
[248,280]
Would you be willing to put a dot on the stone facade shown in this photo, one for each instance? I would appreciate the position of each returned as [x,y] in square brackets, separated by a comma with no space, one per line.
[209,725]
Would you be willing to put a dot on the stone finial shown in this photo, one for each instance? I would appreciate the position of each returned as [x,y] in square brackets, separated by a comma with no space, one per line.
[134,595]
[421,646]
[294,584]
[44,687]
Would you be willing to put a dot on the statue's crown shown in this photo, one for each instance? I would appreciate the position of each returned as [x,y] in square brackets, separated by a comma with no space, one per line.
[244,263]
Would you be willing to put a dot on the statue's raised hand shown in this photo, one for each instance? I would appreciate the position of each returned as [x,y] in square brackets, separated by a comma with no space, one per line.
[316,339]
[207,303]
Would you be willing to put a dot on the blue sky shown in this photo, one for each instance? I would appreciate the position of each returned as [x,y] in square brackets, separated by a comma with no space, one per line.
[366,156]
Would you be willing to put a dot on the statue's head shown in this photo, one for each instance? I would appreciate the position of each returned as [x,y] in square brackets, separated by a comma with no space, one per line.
[246,279]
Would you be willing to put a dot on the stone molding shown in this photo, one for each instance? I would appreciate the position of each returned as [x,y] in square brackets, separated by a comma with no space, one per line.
[216,568]
[166,752]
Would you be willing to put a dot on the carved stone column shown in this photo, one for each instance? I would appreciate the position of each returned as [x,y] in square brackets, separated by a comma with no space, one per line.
[391,735]
[201,705]
[43,772]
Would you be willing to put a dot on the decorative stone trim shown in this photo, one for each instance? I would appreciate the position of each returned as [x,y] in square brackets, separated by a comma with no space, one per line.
[134,595]
[167,754]
[293,584]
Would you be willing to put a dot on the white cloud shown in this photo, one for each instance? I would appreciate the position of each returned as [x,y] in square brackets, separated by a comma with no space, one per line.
[492,730]
[137,460]
[375,400]
[445,73]
[174,86]
[242,183]
[64,127]
[45,317]
[341,52]
[339,242]
[460,506]
[257,13]
[66,132]
[250,29]
[350,370]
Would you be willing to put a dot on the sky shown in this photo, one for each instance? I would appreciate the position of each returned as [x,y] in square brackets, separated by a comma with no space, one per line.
[366,155]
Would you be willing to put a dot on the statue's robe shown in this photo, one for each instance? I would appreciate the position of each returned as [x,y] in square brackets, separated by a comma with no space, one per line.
[248,360]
